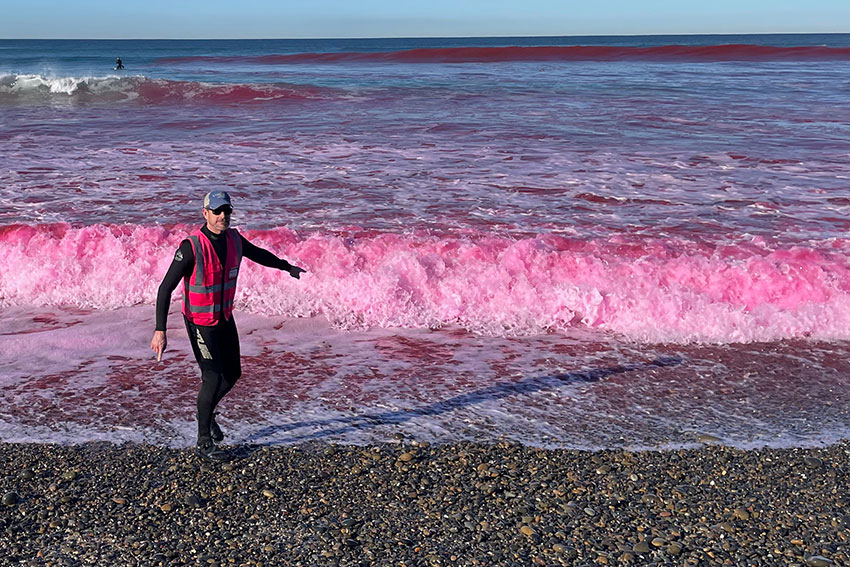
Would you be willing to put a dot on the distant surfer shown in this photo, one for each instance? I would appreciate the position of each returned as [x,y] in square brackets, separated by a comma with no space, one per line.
[118,64]
[208,263]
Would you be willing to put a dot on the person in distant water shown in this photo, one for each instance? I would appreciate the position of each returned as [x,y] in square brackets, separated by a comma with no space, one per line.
[208,263]
[119,64]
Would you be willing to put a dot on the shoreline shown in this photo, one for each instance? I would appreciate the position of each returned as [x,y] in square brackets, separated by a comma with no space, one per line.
[413,504]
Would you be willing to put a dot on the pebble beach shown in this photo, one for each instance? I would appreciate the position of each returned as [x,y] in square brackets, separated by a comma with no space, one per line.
[415,504]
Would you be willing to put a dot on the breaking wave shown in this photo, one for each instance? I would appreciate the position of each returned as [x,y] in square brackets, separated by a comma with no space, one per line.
[40,89]
[648,290]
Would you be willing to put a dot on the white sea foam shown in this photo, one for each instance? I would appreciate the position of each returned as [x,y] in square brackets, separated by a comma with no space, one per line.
[113,88]
[38,84]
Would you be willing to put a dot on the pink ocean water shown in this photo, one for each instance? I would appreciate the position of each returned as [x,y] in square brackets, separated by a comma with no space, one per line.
[635,249]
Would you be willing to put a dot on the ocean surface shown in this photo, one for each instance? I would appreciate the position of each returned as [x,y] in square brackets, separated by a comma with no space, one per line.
[578,242]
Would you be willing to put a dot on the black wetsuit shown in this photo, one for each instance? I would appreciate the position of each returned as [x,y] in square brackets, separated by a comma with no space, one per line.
[216,347]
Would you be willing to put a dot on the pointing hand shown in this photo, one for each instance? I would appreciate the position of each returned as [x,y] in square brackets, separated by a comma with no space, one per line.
[158,344]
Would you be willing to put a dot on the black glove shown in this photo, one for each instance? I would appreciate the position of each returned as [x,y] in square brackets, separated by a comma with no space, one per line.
[295,272]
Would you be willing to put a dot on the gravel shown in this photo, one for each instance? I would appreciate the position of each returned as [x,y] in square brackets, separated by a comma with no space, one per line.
[415,504]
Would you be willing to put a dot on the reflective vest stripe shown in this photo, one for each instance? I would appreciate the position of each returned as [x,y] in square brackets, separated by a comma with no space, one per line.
[211,288]
[209,308]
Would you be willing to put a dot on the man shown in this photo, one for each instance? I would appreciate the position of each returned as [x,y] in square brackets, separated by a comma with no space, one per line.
[208,263]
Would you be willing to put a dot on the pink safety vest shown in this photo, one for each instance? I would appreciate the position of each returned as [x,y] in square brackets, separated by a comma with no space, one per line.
[210,290]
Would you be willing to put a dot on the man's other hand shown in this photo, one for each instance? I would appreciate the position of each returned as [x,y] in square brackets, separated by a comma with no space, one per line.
[158,344]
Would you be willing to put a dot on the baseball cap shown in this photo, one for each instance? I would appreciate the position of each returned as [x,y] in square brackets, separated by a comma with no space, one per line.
[216,199]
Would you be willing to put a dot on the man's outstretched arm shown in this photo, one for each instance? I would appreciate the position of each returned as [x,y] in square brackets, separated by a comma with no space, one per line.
[266,258]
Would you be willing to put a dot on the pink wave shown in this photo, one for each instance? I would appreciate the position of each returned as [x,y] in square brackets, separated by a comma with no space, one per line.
[546,53]
[158,91]
[645,289]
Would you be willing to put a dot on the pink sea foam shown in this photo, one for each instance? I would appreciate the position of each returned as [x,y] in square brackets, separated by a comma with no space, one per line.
[642,288]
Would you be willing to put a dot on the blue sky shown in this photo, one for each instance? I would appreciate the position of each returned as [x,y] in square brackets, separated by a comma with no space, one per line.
[403,18]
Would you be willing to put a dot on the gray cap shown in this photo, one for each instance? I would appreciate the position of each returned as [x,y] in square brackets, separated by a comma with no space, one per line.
[216,199]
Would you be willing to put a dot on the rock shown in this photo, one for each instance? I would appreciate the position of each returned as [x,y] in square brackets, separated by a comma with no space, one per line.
[650,499]
[167,507]
[659,542]
[193,500]
[69,475]
[709,439]
[10,498]
[813,462]
[120,501]
[674,548]
[527,531]
[741,514]
[405,457]
[641,547]
[819,561]
[268,493]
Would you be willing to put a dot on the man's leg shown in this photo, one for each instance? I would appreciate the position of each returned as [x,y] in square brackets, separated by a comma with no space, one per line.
[206,343]
[230,359]
[231,370]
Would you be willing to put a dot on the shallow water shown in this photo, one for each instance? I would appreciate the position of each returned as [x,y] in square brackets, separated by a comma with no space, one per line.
[632,246]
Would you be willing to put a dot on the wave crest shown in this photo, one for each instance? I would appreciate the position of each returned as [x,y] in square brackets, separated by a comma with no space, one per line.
[649,290]
[37,88]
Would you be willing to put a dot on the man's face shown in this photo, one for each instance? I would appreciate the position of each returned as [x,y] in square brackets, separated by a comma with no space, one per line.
[218,220]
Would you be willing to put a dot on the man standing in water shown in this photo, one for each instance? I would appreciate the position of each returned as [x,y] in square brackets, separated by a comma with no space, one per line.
[208,263]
